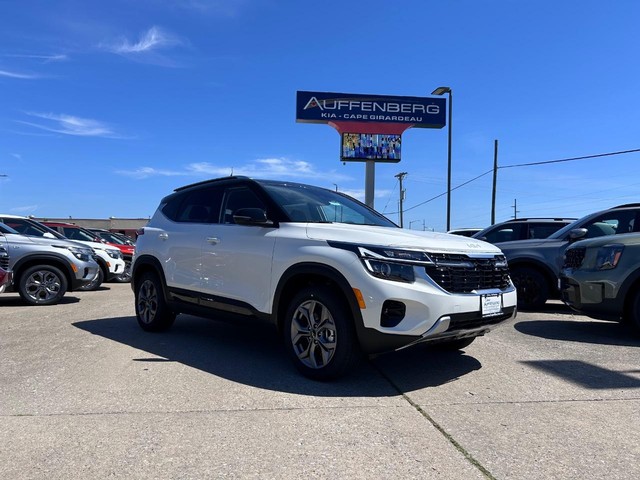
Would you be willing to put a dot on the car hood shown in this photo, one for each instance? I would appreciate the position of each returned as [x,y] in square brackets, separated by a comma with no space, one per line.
[56,242]
[97,245]
[398,238]
[623,238]
[526,243]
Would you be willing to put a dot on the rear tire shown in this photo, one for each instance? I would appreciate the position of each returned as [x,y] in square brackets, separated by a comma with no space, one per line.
[319,334]
[152,311]
[533,290]
[42,285]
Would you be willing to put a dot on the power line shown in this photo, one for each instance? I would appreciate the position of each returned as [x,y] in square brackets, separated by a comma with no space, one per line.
[572,159]
[442,194]
[586,157]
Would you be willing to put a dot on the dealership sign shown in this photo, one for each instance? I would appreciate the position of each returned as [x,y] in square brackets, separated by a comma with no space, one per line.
[326,107]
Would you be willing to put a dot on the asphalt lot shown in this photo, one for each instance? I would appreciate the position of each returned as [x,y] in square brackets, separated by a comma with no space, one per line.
[84,393]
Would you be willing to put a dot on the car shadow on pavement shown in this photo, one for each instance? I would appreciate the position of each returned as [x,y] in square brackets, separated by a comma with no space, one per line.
[16,301]
[587,375]
[254,355]
[589,331]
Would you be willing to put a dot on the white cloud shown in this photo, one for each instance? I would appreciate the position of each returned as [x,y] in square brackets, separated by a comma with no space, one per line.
[265,168]
[147,48]
[70,125]
[44,58]
[360,193]
[21,76]
[146,172]
[273,168]
[25,209]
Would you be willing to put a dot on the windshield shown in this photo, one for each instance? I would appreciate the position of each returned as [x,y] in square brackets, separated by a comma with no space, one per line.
[305,203]
[564,230]
[31,228]
[110,237]
[79,234]
[7,229]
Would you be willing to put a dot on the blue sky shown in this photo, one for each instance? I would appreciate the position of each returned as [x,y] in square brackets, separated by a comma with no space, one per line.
[105,107]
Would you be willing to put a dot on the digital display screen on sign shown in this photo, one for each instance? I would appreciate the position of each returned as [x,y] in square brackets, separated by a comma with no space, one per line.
[370,146]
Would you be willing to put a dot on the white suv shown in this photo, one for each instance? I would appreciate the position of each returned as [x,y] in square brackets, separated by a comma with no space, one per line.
[334,276]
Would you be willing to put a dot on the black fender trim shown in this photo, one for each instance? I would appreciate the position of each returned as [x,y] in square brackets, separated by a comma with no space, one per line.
[52,259]
[318,270]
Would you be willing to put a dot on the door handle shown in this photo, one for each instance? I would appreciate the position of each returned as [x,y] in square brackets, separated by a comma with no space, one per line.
[163,236]
[213,240]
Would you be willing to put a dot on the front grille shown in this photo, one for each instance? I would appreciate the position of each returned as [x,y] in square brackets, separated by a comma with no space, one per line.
[574,256]
[457,273]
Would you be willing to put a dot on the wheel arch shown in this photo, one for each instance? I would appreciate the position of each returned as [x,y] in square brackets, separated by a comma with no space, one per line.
[147,263]
[303,275]
[52,260]
[539,266]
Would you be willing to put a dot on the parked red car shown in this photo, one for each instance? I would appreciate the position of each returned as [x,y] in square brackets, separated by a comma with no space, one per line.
[5,274]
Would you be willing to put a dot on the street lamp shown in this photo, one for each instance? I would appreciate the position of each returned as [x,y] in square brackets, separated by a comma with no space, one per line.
[442,91]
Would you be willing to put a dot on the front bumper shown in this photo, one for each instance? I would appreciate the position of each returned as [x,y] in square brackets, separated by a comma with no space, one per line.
[596,299]
[430,313]
[84,273]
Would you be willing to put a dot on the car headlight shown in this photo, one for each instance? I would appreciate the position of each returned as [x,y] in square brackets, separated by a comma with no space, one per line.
[609,256]
[388,263]
[83,254]
[117,254]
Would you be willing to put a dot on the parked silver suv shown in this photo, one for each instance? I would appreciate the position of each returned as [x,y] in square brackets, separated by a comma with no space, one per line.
[535,264]
[44,269]
[334,276]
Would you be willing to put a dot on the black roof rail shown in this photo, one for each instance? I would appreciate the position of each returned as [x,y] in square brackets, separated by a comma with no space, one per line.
[541,218]
[212,180]
[627,205]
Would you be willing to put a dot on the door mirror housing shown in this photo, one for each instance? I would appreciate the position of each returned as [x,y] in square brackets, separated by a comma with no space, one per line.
[251,216]
[577,234]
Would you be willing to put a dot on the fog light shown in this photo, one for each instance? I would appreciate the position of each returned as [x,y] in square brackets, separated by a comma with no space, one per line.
[393,313]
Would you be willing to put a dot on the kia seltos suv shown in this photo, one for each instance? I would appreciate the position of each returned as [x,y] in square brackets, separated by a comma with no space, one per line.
[110,259]
[336,278]
[44,269]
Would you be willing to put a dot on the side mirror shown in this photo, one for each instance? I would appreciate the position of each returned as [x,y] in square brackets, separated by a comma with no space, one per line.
[577,234]
[48,235]
[251,216]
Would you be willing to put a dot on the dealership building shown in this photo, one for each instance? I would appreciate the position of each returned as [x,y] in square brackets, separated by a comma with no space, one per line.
[127,226]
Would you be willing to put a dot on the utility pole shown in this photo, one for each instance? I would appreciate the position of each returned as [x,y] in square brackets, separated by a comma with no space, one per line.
[515,208]
[400,176]
[495,182]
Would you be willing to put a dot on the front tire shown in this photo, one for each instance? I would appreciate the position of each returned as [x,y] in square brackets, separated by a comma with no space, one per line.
[152,311]
[633,317]
[125,276]
[42,285]
[95,283]
[533,290]
[319,334]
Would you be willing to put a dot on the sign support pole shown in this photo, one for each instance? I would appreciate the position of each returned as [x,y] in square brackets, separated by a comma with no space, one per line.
[369,182]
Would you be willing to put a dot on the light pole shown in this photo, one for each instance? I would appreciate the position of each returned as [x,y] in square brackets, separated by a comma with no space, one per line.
[442,91]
